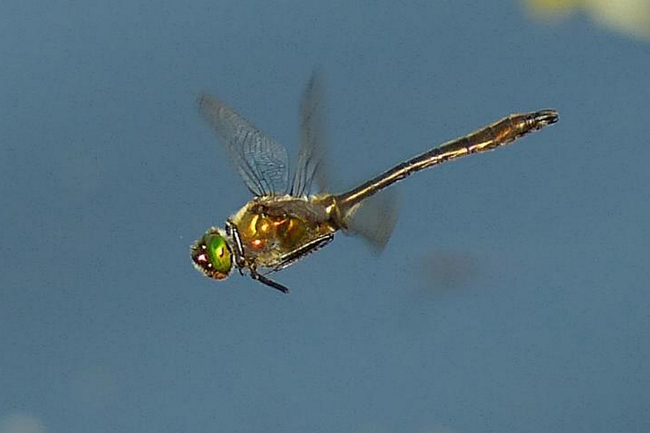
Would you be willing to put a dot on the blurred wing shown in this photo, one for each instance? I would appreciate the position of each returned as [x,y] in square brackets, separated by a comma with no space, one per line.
[310,156]
[262,163]
[374,219]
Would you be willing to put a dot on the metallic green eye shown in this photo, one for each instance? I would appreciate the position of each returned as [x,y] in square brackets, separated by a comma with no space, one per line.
[211,255]
[219,254]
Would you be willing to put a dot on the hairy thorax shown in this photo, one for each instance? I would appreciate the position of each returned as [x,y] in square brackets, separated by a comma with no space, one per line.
[271,228]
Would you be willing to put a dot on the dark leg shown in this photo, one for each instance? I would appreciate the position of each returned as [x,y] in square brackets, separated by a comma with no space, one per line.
[269,282]
[240,260]
[304,250]
[291,258]
[231,230]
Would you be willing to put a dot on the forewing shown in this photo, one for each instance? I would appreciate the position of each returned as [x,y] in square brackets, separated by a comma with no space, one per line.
[309,166]
[260,160]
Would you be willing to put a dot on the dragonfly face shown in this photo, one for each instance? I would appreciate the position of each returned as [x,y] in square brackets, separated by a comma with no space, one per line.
[212,255]
[283,222]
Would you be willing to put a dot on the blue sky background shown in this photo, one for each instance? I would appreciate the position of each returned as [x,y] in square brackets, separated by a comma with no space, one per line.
[513,295]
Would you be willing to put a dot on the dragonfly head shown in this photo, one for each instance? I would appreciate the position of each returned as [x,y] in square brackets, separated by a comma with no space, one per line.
[211,254]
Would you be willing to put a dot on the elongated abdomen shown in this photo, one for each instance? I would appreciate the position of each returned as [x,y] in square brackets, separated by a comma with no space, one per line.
[498,134]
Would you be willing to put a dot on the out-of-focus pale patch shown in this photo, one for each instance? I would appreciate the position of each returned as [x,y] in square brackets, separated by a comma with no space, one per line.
[626,16]
[93,387]
[20,423]
[448,270]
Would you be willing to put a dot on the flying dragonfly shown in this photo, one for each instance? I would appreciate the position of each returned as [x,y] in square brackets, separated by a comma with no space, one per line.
[284,222]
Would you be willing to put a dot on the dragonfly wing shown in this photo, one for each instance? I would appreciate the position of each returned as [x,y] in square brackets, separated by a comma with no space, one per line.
[374,219]
[311,154]
[262,162]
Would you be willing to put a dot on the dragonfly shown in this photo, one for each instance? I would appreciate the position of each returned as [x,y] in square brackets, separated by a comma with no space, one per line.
[288,219]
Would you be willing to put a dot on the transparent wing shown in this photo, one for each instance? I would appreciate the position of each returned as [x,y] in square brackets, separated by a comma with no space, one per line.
[374,219]
[262,162]
[309,166]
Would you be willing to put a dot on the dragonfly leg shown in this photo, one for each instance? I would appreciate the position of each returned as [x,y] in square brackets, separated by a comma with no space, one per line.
[269,282]
[291,258]
[304,250]
[240,261]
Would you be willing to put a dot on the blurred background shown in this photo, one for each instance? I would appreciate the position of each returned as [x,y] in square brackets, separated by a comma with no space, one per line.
[513,295]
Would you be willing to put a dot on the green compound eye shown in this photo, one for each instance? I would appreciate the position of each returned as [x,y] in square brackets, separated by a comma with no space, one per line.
[219,254]
[212,256]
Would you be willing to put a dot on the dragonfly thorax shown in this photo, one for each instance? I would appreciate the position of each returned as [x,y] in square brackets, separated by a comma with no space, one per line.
[273,227]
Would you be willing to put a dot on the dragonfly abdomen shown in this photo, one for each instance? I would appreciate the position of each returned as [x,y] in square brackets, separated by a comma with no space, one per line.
[496,135]
[503,132]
